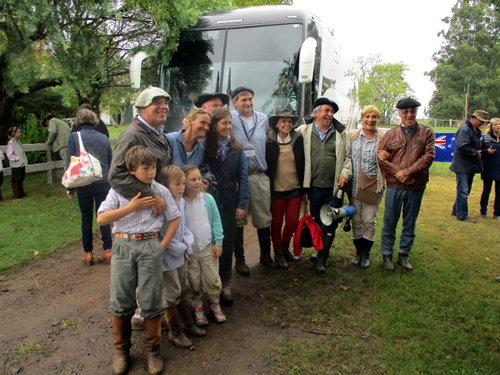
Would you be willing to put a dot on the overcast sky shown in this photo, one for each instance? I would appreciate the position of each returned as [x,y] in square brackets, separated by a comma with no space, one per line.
[402,31]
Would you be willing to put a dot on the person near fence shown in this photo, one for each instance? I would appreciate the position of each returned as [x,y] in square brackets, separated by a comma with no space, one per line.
[490,151]
[367,183]
[467,161]
[59,132]
[136,269]
[91,196]
[410,151]
[18,161]
[227,161]
[2,157]
[285,169]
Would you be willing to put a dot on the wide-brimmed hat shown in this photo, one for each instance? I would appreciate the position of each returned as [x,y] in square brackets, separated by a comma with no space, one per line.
[408,103]
[282,113]
[145,98]
[46,117]
[239,89]
[481,115]
[325,100]
[203,98]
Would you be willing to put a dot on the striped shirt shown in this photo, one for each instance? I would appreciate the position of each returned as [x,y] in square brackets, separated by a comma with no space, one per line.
[368,160]
[141,221]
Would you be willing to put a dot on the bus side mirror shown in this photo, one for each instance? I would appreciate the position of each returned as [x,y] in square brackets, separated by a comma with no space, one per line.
[307,59]
[135,69]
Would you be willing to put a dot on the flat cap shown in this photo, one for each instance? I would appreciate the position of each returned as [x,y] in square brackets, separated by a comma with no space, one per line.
[239,89]
[203,98]
[325,100]
[145,98]
[407,103]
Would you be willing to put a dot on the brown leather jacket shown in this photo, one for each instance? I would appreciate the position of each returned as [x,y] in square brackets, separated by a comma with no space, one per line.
[413,156]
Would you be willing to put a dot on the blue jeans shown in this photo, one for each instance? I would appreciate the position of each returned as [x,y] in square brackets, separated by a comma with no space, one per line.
[89,197]
[410,201]
[317,198]
[464,186]
[485,197]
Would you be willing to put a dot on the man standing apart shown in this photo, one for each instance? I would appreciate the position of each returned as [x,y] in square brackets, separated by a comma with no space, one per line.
[467,161]
[250,128]
[59,132]
[410,151]
[209,102]
[327,150]
[146,130]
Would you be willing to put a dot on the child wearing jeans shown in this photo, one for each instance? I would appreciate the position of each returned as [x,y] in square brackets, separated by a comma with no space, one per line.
[203,219]
[175,265]
[137,259]
[18,161]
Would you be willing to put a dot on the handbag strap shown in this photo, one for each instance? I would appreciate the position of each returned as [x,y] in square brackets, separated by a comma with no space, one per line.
[80,141]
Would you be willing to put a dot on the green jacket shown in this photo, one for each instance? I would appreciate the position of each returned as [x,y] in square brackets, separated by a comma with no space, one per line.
[59,132]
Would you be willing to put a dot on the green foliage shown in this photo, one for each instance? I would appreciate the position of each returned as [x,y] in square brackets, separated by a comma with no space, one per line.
[467,75]
[33,132]
[247,3]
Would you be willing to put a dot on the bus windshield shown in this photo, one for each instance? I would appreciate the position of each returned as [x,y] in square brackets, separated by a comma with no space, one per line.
[263,58]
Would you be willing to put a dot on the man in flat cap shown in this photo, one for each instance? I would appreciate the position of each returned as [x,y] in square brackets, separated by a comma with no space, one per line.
[147,130]
[250,128]
[328,168]
[406,153]
[209,102]
[467,161]
[59,132]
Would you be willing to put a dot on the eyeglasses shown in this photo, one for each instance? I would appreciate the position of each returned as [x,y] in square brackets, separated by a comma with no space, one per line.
[407,111]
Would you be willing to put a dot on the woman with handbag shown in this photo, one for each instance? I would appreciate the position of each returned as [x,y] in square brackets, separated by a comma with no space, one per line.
[92,195]
[225,157]
[367,183]
[285,169]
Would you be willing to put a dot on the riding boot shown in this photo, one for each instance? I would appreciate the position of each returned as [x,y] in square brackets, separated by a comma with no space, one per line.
[279,259]
[359,251]
[239,253]
[175,333]
[323,254]
[264,235]
[367,246]
[287,253]
[122,331]
[153,344]
[21,189]
[15,190]
[184,312]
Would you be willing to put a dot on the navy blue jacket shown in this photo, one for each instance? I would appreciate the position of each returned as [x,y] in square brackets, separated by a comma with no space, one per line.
[491,163]
[467,149]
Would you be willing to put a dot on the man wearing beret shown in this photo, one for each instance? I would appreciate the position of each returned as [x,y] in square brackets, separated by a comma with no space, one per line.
[209,102]
[467,161]
[406,153]
[146,130]
[250,128]
[328,168]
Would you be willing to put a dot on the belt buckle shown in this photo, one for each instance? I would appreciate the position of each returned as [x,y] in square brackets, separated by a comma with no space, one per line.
[145,236]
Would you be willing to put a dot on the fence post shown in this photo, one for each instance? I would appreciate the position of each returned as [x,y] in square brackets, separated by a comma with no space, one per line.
[51,173]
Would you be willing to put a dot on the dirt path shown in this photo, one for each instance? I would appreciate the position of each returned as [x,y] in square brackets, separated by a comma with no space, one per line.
[54,311]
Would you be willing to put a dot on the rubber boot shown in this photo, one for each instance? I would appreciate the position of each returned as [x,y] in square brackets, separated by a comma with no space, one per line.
[184,313]
[239,253]
[388,264]
[367,246]
[21,189]
[175,333]
[122,331]
[15,190]
[264,235]
[279,259]
[359,251]
[403,262]
[289,257]
[323,254]
[215,309]
[153,344]
[199,311]
[226,296]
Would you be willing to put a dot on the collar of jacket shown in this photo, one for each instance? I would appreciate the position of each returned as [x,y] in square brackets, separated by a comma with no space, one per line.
[293,134]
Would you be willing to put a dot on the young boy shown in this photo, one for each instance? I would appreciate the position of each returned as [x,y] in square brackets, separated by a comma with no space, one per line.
[137,259]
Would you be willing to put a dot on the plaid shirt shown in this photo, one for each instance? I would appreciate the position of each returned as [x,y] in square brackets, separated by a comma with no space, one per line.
[368,160]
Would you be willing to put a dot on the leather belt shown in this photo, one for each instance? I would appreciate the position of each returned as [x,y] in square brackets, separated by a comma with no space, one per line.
[138,237]
[253,171]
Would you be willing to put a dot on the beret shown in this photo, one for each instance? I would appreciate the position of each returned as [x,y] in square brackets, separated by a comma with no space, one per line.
[239,89]
[407,103]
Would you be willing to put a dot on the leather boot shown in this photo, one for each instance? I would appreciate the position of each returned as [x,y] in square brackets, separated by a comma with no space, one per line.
[264,235]
[184,312]
[21,189]
[367,246]
[153,344]
[279,259]
[323,254]
[359,251]
[175,333]
[105,257]
[88,259]
[122,331]
[403,262]
[289,257]
[388,265]
[15,190]
[239,253]
[226,296]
